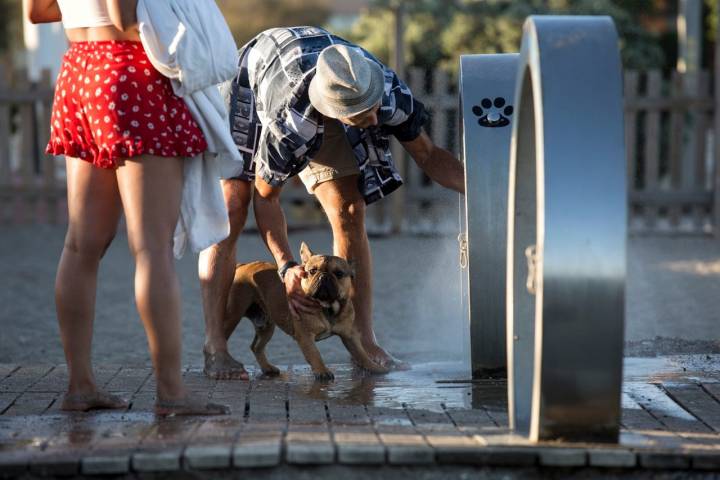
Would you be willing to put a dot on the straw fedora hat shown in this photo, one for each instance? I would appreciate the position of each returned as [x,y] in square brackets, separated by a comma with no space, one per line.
[346,82]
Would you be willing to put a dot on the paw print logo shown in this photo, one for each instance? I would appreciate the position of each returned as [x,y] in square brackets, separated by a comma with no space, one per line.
[493,113]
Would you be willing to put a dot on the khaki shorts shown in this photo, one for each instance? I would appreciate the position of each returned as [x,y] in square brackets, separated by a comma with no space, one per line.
[334,160]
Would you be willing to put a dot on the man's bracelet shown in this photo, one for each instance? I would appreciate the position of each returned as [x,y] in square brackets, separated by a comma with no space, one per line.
[287,266]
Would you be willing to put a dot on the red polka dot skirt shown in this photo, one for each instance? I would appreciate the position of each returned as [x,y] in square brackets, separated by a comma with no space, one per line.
[111,104]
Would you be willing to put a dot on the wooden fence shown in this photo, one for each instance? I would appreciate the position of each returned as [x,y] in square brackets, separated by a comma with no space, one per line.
[670,130]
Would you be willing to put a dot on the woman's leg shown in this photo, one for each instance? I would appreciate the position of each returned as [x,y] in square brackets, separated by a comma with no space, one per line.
[93,212]
[151,189]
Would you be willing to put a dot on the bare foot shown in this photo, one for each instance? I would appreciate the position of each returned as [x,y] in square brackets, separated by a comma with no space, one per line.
[189,406]
[380,356]
[222,366]
[97,400]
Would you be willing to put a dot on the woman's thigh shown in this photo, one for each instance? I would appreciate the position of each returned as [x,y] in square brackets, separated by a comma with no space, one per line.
[94,206]
[151,190]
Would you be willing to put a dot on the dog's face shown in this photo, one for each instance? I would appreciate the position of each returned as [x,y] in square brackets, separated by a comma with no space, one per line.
[329,278]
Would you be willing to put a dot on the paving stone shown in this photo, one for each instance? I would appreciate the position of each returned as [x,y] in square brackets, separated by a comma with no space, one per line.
[562,457]
[129,379]
[410,454]
[14,464]
[257,451]
[222,430]
[612,458]
[310,453]
[509,456]
[706,461]
[361,453]
[474,417]
[6,400]
[24,377]
[455,448]
[161,461]
[404,445]
[358,444]
[49,465]
[31,403]
[55,381]
[309,445]
[105,464]
[208,456]
[348,414]
[6,369]
[664,460]
[143,402]
[451,441]
[170,431]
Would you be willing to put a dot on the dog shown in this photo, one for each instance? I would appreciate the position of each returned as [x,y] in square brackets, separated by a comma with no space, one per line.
[258,294]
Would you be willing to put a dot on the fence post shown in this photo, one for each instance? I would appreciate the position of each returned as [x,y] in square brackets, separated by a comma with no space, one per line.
[631,81]
[47,161]
[716,136]
[651,148]
[699,154]
[5,180]
[399,197]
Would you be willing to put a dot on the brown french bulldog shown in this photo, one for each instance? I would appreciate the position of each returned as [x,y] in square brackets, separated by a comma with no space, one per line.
[258,294]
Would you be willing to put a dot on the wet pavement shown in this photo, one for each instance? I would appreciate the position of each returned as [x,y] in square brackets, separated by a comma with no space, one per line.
[432,416]
[429,420]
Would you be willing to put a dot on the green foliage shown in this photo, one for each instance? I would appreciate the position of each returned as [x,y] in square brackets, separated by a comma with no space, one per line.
[10,13]
[247,18]
[438,31]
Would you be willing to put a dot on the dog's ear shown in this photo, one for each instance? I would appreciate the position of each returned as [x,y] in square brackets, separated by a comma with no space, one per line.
[352,264]
[305,252]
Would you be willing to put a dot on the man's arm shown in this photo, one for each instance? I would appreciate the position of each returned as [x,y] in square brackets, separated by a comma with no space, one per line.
[42,11]
[439,164]
[273,230]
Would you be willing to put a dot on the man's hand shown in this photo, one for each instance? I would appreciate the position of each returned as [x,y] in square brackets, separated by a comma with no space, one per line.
[297,300]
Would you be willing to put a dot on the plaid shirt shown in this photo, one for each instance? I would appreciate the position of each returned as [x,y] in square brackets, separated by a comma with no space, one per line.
[276,128]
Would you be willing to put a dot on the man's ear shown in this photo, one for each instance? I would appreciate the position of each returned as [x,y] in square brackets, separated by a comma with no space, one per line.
[351,263]
[305,253]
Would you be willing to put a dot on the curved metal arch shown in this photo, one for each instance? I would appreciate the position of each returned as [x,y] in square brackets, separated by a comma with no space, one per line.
[567,232]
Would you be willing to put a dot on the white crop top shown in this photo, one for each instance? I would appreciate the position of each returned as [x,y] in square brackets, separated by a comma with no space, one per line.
[84,13]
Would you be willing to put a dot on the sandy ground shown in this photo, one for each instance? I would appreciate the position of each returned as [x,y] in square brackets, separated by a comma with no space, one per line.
[673,299]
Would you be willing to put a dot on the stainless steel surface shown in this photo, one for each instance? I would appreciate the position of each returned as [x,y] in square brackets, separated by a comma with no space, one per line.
[487,84]
[567,201]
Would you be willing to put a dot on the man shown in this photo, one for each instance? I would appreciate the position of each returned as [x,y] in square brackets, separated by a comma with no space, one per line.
[309,103]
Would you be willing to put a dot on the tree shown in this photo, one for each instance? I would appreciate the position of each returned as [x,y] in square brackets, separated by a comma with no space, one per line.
[7,30]
[439,31]
[247,18]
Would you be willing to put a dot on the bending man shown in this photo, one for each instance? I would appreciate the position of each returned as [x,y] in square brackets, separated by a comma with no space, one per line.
[308,103]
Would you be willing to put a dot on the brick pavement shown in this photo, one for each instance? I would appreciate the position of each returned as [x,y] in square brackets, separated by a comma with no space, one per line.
[431,417]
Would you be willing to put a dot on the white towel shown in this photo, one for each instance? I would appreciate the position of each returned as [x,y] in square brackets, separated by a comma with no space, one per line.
[189,42]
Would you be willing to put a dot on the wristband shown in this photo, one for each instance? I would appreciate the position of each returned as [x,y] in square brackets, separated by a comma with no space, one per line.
[287,266]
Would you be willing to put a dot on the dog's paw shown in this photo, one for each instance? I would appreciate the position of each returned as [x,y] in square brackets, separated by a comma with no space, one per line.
[493,113]
[271,371]
[327,376]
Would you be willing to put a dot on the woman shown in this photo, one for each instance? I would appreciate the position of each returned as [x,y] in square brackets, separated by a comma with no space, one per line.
[124,135]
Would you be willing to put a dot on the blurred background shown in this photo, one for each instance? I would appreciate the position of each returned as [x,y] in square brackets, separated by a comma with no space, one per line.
[668,51]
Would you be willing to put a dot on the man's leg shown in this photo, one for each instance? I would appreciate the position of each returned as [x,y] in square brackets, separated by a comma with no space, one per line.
[345,209]
[216,268]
